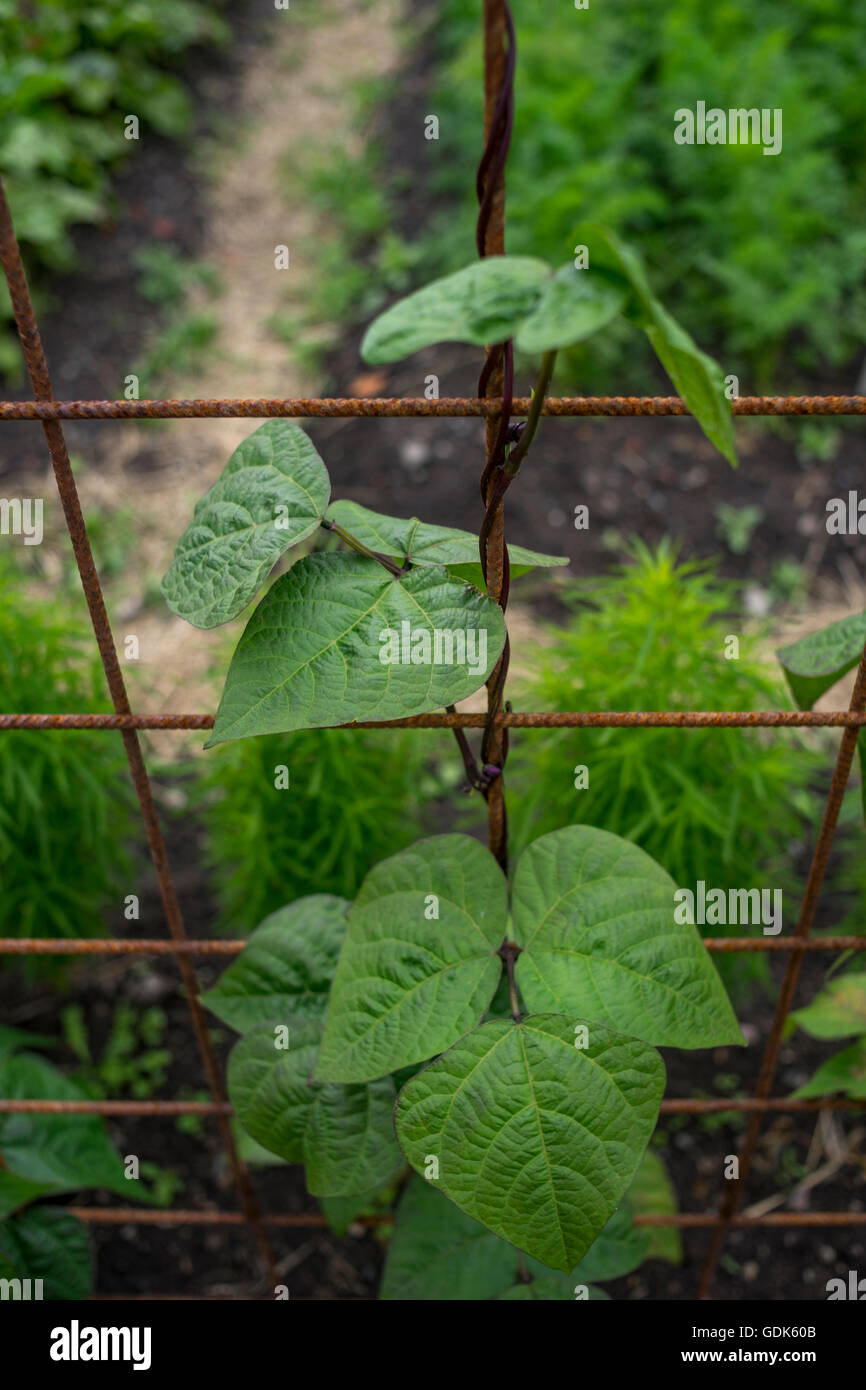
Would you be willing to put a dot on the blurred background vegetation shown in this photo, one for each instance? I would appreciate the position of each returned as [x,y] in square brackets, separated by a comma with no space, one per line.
[71,71]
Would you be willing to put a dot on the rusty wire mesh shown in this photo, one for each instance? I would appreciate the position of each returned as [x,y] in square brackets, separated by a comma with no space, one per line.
[496,404]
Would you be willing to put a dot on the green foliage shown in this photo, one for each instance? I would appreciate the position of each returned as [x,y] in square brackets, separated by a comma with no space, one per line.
[64,94]
[815,663]
[736,525]
[717,804]
[421,957]
[423,544]
[43,1156]
[534,1125]
[335,610]
[839,1011]
[339,637]
[539,1138]
[65,798]
[520,297]
[286,970]
[439,1254]
[271,495]
[48,1243]
[756,254]
[342,1134]
[570,887]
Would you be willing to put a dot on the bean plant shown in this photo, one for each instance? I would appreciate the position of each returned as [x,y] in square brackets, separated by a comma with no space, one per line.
[497,1034]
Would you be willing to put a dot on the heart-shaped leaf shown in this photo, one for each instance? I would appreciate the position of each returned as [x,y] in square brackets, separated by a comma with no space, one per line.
[343,1134]
[47,1243]
[339,639]
[594,915]
[537,1127]
[424,544]
[284,973]
[271,494]
[483,303]
[698,380]
[419,966]
[572,306]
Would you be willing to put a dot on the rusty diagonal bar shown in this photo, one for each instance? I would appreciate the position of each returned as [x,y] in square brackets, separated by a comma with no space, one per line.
[37,368]
[817,870]
[402,407]
[45,409]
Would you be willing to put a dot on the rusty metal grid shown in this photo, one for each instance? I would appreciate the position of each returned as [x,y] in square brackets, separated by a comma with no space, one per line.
[496,404]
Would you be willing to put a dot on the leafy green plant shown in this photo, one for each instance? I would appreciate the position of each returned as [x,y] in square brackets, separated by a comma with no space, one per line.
[839,1011]
[65,95]
[43,1157]
[721,805]
[534,1009]
[356,993]
[65,798]
[581,143]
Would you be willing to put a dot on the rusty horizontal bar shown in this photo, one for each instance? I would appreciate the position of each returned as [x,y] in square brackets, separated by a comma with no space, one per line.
[146,946]
[593,719]
[142,1108]
[86,946]
[312,407]
[121,1216]
[161,1108]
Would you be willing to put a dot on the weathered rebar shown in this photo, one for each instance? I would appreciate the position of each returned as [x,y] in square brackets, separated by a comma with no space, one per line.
[37,368]
[510,719]
[372,407]
[817,870]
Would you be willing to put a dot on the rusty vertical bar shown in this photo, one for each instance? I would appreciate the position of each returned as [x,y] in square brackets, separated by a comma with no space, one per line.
[493,244]
[37,367]
[817,871]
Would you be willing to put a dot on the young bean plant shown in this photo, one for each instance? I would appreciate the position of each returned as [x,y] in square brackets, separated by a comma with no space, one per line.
[499,1035]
